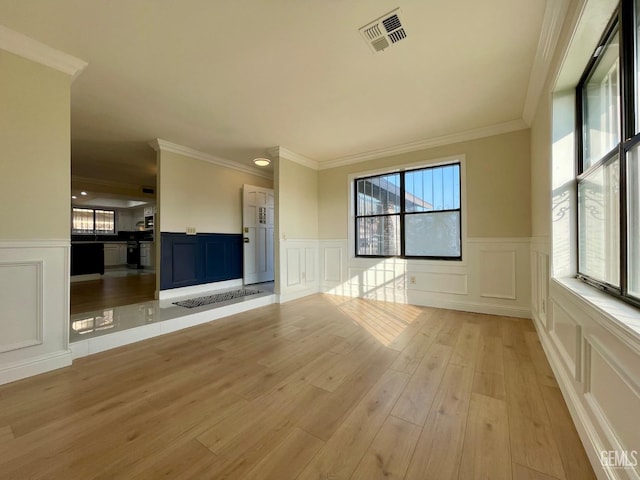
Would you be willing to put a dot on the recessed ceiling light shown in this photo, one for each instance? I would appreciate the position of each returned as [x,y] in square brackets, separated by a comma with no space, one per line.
[73,197]
[83,193]
[261,162]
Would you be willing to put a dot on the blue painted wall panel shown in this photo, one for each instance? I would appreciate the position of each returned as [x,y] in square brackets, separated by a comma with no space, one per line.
[188,260]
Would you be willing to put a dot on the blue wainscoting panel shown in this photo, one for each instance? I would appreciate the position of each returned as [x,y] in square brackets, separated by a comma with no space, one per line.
[188,260]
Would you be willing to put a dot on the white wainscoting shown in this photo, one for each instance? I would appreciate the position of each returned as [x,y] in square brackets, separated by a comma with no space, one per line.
[596,362]
[298,269]
[34,308]
[494,277]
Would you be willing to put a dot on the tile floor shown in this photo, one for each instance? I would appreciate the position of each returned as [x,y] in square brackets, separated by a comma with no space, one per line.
[137,321]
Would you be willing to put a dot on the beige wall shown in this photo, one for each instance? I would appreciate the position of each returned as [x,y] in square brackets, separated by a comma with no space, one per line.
[195,193]
[35,165]
[541,168]
[498,186]
[297,200]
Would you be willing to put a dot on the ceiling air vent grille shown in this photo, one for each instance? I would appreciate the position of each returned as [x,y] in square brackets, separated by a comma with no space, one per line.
[384,31]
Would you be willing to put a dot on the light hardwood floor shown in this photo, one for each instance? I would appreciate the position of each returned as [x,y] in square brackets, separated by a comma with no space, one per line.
[324,387]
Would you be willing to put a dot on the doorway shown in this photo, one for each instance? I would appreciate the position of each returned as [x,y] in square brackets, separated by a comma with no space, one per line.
[258,234]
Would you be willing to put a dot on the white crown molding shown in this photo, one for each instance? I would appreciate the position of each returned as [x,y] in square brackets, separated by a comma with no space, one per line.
[19,44]
[160,145]
[497,129]
[276,152]
[554,14]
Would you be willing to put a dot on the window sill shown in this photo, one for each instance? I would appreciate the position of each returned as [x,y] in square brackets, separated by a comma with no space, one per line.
[615,315]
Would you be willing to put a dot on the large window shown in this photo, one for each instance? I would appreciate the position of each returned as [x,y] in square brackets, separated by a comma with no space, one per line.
[608,172]
[92,221]
[410,214]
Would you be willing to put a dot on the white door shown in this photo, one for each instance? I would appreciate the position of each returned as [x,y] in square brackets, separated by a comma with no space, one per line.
[257,232]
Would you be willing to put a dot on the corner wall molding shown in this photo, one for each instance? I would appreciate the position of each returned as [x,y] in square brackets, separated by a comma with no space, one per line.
[474,134]
[554,14]
[26,47]
[293,156]
[160,145]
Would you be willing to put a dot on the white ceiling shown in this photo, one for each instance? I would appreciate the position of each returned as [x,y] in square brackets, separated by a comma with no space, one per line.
[234,78]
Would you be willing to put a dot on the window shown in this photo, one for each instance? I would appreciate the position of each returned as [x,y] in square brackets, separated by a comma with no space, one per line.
[608,172]
[409,214]
[90,221]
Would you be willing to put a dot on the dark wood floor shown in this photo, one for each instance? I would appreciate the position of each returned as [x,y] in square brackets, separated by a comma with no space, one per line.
[111,292]
[324,387]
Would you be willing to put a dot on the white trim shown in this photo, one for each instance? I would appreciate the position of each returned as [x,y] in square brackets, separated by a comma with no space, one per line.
[554,14]
[277,152]
[295,294]
[512,294]
[605,312]
[197,289]
[160,145]
[39,265]
[26,47]
[34,366]
[474,134]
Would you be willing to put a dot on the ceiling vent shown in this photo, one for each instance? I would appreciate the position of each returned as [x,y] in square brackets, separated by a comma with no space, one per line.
[385,31]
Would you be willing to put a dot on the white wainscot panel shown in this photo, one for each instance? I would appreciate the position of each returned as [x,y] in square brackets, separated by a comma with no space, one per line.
[293,266]
[567,334]
[438,282]
[310,264]
[371,277]
[498,274]
[332,264]
[21,300]
[614,393]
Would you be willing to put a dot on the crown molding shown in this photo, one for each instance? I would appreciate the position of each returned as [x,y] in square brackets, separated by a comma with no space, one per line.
[555,12]
[277,152]
[160,145]
[465,136]
[19,44]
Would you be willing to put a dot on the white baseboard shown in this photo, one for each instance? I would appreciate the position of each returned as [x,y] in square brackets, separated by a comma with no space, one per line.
[426,301]
[34,366]
[99,344]
[296,294]
[197,289]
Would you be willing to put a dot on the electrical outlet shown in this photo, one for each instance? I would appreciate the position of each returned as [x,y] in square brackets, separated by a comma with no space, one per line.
[412,280]
[191,230]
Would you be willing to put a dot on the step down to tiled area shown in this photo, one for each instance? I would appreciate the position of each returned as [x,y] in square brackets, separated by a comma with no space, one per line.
[108,328]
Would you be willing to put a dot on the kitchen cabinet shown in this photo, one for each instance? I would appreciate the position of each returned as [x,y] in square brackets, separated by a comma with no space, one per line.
[147,254]
[87,258]
[115,254]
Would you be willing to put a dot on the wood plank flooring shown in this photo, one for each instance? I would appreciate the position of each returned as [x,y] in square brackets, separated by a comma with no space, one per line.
[111,292]
[324,387]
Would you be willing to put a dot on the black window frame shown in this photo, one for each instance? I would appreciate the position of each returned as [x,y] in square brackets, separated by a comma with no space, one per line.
[94,231]
[623,22]
[403,213]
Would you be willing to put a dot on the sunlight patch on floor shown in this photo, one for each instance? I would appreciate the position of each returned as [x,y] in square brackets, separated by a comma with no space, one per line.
[384,321]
